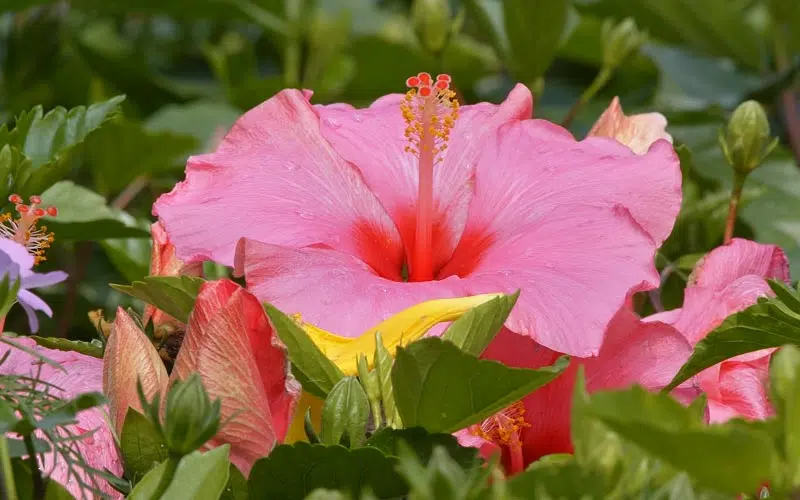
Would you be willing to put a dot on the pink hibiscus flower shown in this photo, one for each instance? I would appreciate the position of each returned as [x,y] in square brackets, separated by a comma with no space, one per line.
[647,352]
[81,374]
[322,208]
[728,280]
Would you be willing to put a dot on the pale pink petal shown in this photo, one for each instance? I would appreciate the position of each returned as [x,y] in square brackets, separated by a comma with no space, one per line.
[332,290]
[129,358]
[275,179]
[638,132]
[600,252]
[739,258]
[636,352]
[742,391]
[217,345]
[486,448]
[373,140]
[164,262]
[82,374]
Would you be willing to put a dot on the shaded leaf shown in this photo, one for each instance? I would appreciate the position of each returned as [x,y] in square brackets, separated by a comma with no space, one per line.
[94,349]
[199,476]
[141,445]
[345,413]
[175,295]
[422,443]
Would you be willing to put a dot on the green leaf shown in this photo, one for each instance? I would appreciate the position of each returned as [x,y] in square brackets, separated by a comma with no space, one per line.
[785,389]
[558,479]
[473,331]
[716,27]
[293,471]
[422,443]
[142,446]
[236,488]
[24,484]
[88,348]
[441,388]
[732,457]
[199,476]
[203,120]
[131,256]
[443,477]
[383,367]
[534,29]
[84,215]
[175,295]
[312,368]
[345,413]
[122,151]
[47,139]
[766,324]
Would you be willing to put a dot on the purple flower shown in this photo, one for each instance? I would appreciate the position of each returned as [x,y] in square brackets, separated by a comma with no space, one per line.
[17,263]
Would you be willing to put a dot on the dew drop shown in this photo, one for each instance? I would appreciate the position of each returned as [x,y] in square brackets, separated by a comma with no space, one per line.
[305,215]
[358,118]
[332,123]
[290,166]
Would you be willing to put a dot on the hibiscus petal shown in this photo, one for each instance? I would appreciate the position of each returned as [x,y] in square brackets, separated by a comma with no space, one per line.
[228,334]
[333,290]
[597,250]
[81,374]
[272,174]
[739,258]
[130,358]
[743,391]
[534,167]
[638,132]
[373,139]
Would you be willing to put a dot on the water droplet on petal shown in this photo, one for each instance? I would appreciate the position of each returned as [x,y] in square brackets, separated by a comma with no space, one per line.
[290,166]
[358,118]
[305,215]
[331,122]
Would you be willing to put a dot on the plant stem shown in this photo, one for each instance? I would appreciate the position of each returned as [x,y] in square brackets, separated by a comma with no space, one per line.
[166,477]
[597,84]
[36,474]
[7,483]
[733,207]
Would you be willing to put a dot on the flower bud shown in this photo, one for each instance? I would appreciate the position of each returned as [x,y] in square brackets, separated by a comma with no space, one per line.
[620,41]
[191,418]
[746,140]
[432,23]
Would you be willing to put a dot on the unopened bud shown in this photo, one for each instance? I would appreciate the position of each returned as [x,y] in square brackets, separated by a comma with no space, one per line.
[432,23]
[620,41]
[746,140]
[191,418]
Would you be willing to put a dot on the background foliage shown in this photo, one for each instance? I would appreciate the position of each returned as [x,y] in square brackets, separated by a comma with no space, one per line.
[188,69]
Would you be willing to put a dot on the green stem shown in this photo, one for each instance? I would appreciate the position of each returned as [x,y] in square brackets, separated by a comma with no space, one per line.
[8,484]
[598,83]
[36,474]
[733,207]
[166,477]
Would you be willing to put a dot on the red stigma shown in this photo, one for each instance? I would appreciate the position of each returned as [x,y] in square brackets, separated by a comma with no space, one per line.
[39,212]
[15,198]
[412,81]
[23,209]
[424,78]
[35,200]
[52,211]
[442,85]
[425,91]
[444,77]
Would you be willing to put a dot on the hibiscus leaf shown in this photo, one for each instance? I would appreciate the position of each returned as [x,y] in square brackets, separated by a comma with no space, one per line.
[785,391]
[85,216]
[422,443]
[142,446]
[732,457]
[294,471]
[443,389]
[175,295]
[558,479]
[345,413]
[473,331]
[310,366]
[771,322]
[48,139]
[199,476]
[534,29]
[94,348]
[383,367]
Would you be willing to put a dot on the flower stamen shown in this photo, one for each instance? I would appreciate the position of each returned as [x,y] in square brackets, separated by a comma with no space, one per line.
[430,110]
[503,429]
[23,229]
